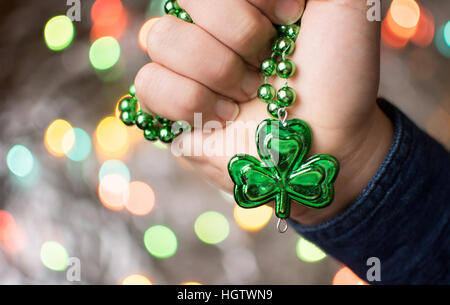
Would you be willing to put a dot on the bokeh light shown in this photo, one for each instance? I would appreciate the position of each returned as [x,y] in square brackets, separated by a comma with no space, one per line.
[77,144]
[54,256]
[12,236]
[136,279]
[143,32]
[110,19]
[191,283]
[114,191]
[155,8]
[104,53]
[442,39]
[425,29]
[160,241]
[252,219]
[405,13]
[212,227]
[112,138]
[447,33]
[114,167]
[309,252]
[59,33]
[141,199]
[54,137]
[346,277]
[20,161]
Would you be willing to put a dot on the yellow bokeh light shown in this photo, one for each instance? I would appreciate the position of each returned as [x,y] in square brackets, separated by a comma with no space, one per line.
[136,279]
[405,13]
[191,283]
[252,219]
[114,191]
[59,137]
[141,200]
[112,138]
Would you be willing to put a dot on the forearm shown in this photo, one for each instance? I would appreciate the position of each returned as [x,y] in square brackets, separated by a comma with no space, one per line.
[401,217]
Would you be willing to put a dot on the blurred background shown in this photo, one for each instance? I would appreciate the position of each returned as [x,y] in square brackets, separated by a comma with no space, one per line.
[76,183]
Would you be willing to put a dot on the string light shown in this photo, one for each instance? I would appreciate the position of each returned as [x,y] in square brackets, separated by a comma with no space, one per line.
[20,161]
[252,219]
[59,33]
[212,227]
[309,252]
[160,241]
[54,137]
[141,199]
[346,277]
[136,279]
[104,53]
[54,256]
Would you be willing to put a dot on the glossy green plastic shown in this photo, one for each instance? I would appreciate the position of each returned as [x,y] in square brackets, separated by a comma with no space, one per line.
[285,172]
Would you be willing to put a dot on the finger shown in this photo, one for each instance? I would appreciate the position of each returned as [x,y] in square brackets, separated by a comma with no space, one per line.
[281,11]
[236,23]
[177,98]
[190,51]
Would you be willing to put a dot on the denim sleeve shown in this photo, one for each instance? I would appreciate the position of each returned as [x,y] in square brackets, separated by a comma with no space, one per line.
[401,217]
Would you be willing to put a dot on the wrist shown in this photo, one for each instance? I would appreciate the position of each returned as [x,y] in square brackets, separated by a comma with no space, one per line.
[358,164]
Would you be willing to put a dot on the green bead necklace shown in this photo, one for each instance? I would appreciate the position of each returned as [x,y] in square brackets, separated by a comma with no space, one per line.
[284,172]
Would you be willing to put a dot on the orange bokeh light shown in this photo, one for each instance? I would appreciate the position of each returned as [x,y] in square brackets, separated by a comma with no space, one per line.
[143,32]
[141,199]
[113,192]
[425,29]
[390,39]
[346,277]
[106,12]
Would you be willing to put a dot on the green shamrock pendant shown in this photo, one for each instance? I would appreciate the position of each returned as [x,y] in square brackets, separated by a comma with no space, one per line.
[284,172]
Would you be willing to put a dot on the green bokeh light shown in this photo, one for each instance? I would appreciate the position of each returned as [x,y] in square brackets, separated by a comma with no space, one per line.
[442,40]
[309,252]
[59,33]
[104,53]
[54,256]
[20,161]
[81,147]
[447,33]
[160,241]
[212,227]
[155,8]
[111,167]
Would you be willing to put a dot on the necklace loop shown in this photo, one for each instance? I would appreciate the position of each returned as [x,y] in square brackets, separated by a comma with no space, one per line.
[282,225]
[282,115]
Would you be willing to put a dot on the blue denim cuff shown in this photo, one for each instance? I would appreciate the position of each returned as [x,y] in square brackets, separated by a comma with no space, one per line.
[401,217]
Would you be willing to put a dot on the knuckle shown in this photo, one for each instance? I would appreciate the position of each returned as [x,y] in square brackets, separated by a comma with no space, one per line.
[192,101]
[161,34]
[247,31]
[224,68]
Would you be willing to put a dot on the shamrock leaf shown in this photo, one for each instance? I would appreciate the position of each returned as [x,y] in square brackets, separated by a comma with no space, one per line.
[284,172]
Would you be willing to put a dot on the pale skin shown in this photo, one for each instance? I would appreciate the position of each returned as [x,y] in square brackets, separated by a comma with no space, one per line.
[212,67]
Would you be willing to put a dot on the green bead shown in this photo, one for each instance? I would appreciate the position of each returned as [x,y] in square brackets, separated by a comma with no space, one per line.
[163,121]
[266,93]
[132,90]
[126,104]
[151,134]
[268,67]
[143,120]
[272,109]
[165,135]
[286,96]
[183,15]
[171,5]
[284,46]
[174,12]
[292,31]
[128,118]
[285,68]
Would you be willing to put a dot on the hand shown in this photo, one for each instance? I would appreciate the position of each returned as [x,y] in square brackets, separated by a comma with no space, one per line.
[212,67]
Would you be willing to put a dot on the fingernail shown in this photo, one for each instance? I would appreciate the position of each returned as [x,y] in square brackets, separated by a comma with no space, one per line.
[288,10]
[227,110]
[250,84]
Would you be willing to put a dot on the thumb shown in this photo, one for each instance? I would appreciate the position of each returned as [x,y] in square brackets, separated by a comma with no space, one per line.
[281,11]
